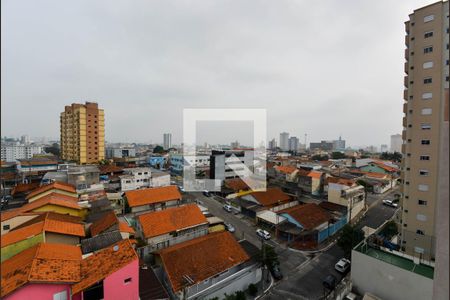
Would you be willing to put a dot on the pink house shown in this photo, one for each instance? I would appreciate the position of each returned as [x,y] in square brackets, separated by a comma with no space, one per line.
[44,271]
[111,273]
[57,271]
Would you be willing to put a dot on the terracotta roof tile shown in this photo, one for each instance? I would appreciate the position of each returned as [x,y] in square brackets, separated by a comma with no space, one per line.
[338,180]
[52,198]
[272,196]
[103,263]
[152,195]
[315,174]
[309,215]
[24,187]
[55,185]
[106,221]
[124,227]
[50,224]
[201,258]
[286,169]
[48,263]
[107,169]
[171,219]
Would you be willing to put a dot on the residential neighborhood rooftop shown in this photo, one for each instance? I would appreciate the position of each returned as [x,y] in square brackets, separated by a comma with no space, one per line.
[152,195]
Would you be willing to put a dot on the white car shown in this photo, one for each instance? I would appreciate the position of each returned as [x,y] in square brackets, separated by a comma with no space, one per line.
[342,265]
[263,234]
[227,207]
[390,202]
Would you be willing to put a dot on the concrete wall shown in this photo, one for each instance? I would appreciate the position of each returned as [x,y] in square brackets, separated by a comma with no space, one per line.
[14,222]
[62,210]
[57,238]
[388,281]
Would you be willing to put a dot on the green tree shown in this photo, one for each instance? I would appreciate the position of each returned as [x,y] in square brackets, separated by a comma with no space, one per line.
[252,289]
[338,155]
[271,256]
[158,149]
[53,149]
[350,237]
[319,157]
[390,229]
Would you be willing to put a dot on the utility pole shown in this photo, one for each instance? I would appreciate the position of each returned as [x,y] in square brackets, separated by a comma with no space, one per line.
[263,249]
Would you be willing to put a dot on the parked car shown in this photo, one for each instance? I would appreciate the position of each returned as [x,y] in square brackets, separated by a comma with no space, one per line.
[228,208]
[229,227]
[329,282]
[206,193]
[276,272]
[6,199]
[181,188]
[199,202]
[342,265]
[390,202]
[351,296]
[263,234]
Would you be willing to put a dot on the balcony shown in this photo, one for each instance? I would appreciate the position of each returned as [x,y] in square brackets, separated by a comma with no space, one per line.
[405,94]
[406,67]
[405,108]
[404,121]
[404,134]
[405,81]
[407,54]
[407,27]
[403,148]
[407,40]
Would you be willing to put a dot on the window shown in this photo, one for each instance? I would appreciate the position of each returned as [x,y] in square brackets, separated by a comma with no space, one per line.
[428,65]
[426,111]
[424,157]
[423,172]
[422,202]
[421,217]
[425,142]
[428,49]
[127,281]
[60,296]
[6,227]
[428,18]
[427,80]
[418,231]
[423,187]
[427,96]
[428,34]
[425,126]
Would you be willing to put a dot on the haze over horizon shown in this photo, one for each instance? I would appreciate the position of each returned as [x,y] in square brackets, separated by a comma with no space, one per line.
[321,68]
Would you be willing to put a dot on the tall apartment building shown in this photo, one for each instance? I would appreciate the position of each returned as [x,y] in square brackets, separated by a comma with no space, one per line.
[293,143]
[83,133]
[13,152]
[425,139]
[284,141]
[167,141]
[272,144]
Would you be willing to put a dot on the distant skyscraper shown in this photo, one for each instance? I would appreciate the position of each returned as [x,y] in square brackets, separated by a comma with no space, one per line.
[167,140]
[234,145]
[25,140]
[339,145]
[293,144]
[384,148]
[273,144]
[83,133]
[396,143]
[284,141]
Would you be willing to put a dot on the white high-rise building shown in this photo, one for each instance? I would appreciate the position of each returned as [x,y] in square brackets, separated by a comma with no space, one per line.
[293,143]
[284,141]
[272,144]
[396,143]
[12,153]
[384,148]
[167,141]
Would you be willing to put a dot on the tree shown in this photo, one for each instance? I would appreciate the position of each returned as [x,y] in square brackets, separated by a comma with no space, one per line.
[239,295]
[396,156]
[350,237]
[271,256]
[158,149]
[390,229]
[252,289]
[53,149]
[320,157]
[338,155]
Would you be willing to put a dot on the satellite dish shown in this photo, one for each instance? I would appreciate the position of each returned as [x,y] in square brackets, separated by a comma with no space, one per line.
[116,248]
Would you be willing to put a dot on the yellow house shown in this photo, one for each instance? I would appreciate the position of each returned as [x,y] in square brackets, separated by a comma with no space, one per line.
[55,187]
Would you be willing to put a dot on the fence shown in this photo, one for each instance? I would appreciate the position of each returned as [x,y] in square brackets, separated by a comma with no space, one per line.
[331,229]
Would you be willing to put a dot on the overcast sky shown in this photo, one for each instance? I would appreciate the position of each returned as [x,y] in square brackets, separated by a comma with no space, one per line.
[323,68]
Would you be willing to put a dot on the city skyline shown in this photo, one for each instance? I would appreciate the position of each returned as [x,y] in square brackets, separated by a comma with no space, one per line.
[178,68]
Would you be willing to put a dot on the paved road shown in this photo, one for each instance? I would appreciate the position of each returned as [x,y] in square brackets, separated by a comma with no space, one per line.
[305,282]
[303,274]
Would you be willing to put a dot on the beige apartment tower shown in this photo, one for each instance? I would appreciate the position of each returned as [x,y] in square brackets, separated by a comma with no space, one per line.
[425,164]
[83,133]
